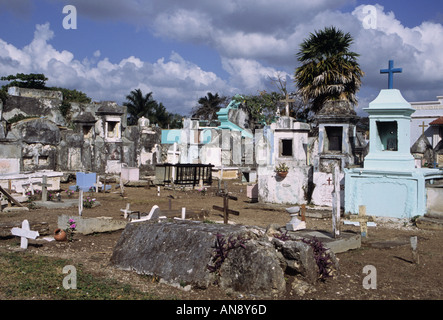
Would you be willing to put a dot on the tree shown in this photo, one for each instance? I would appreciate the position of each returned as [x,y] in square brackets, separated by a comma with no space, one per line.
[140,105]
[208,106]
[31,81]
[261,108]
[328,71]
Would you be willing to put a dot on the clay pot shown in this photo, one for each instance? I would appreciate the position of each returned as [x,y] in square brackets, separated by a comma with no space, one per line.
[282,174]
[60,235]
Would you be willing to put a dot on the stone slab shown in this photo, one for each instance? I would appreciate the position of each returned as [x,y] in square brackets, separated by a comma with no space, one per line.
[92,225]
[346,241]
[429,223]
[67,203]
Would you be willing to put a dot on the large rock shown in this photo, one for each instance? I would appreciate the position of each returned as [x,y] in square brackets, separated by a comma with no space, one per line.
[183,252]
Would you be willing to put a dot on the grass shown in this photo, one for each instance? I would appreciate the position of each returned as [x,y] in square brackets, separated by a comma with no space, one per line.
[27,276]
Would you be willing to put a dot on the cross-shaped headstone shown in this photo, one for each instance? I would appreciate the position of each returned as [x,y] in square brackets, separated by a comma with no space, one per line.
[25,233]
[287,101]
[44,184]
[363,219]
[423,126]
[175,158]
[391,70]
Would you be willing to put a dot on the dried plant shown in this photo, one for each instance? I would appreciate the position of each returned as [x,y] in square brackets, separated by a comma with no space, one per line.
[221,249]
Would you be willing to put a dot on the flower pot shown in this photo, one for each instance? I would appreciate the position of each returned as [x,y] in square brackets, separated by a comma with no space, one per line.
[282,173]
[60,235]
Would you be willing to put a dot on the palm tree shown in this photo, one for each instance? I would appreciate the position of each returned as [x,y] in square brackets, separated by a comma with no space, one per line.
[208,106]
[140,105]
[328,71]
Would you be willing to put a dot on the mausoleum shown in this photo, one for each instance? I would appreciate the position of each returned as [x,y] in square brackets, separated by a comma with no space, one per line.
[389,184]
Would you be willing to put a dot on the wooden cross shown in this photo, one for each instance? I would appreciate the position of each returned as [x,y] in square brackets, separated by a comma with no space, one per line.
[287,101]
[225,209]
[25,233]
[10,198]
[363,219]
[423,126]
[329,181]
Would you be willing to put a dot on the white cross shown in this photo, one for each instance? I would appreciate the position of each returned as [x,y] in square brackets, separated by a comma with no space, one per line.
[24,232]
[126,211]
[175,158]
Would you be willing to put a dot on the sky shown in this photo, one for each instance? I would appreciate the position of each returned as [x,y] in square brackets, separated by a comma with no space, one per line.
[182,49]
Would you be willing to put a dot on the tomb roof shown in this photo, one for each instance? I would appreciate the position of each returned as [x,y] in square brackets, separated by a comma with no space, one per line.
[85,117]
[436,122]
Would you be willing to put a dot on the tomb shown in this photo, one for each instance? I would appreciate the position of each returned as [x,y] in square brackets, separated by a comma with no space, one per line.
[336,144]
[285,141]
[389,184]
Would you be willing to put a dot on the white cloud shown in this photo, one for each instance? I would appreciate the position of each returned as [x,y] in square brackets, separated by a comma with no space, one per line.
[175,82]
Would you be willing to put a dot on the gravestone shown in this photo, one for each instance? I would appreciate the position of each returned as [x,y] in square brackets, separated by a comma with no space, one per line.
[25,233]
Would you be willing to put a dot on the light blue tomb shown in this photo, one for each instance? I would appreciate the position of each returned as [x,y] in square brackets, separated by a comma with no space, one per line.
[389,184]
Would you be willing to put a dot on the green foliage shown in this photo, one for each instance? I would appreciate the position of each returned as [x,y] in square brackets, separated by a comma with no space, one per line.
[140,105]
[328,71]
[72,95]
[208,106]
[261,108]
[32,80]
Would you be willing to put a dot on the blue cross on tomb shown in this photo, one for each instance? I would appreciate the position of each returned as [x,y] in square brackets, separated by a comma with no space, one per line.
[391,70]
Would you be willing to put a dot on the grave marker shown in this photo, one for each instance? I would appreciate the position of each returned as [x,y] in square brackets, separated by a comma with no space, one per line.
[44,184]
[363,220]
[25,233]
[336,205]
[413,241]
[80,202]
[225,209]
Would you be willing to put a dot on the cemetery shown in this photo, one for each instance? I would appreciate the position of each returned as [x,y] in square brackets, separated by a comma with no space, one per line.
[214,211]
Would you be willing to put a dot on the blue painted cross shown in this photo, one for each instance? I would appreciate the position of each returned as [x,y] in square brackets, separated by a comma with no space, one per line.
[391,70]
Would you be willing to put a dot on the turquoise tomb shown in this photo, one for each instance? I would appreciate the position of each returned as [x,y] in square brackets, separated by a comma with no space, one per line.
[389,184]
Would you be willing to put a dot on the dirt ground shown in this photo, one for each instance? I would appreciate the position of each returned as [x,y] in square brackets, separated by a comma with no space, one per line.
[387,247]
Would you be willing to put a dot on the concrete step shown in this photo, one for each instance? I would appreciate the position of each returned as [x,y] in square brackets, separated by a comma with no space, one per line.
[429,223]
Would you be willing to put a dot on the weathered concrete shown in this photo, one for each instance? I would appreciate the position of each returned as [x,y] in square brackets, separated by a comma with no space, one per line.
[346,241]
[181,251]
[92,225]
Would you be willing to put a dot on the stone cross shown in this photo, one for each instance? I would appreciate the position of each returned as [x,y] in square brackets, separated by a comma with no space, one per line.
[423,126]
[336,205]
[25,233]
[45,186]
[287,101]
[390,71]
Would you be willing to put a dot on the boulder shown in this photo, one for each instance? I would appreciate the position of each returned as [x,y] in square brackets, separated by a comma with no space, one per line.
[238,258]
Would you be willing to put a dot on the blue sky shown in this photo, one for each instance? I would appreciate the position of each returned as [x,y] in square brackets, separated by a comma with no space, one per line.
[180,50]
